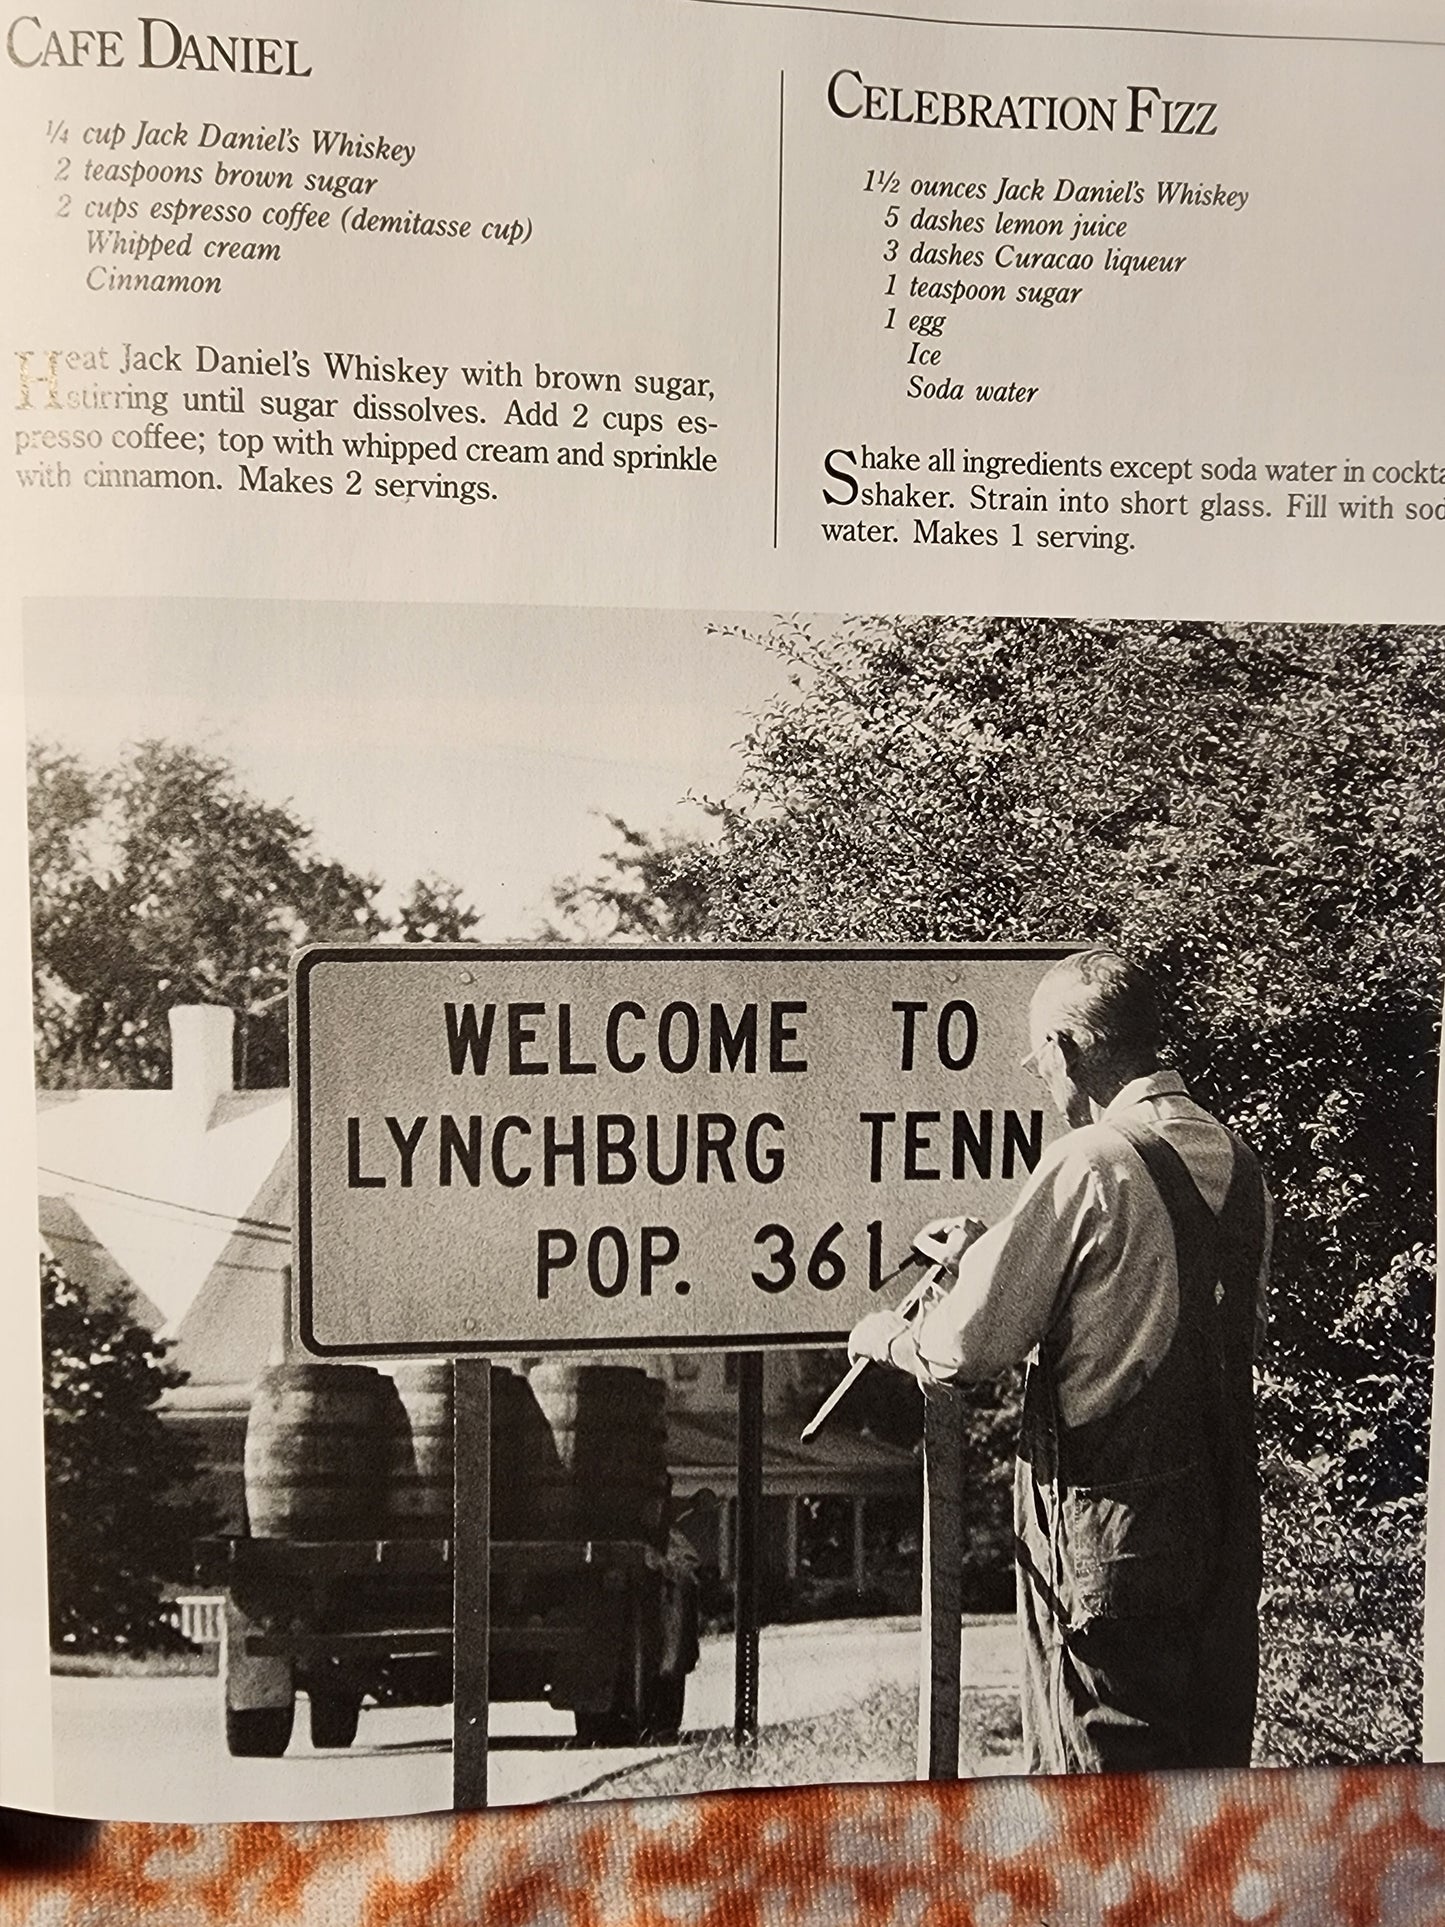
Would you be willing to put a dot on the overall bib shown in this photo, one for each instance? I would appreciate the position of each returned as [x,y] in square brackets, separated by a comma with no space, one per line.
[1138,1532]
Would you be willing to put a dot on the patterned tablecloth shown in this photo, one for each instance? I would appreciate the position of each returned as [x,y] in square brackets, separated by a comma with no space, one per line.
[1272,1849]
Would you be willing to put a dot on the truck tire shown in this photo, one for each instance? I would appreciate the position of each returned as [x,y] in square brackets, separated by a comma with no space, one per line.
[258,1692]
[258,1732]
[664,1709]
[624,1722]
[659,1723]
[334,1717]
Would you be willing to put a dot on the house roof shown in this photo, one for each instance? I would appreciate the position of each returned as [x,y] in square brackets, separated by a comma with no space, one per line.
[702,1451]
[148,1193]
[236,1323]
[88,1262]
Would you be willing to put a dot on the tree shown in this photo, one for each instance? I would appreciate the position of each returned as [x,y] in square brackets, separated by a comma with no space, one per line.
[650,889]
[121,1514]
[164,881]
[434,912]
[160,881]
[1256,812]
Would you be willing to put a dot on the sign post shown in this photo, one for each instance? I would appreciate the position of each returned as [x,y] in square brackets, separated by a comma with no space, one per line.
[940,1679]
[749,1535]
[471,1581]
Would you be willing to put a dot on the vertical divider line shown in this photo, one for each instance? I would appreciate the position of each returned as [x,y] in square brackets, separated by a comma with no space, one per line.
[778,316]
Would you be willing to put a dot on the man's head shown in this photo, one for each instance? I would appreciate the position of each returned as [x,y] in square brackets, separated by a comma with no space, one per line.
[1093,1028]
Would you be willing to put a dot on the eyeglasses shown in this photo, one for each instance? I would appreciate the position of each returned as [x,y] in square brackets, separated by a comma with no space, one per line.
[1031,1062]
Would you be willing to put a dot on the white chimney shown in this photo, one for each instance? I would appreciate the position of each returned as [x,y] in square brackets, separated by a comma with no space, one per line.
[201,1057]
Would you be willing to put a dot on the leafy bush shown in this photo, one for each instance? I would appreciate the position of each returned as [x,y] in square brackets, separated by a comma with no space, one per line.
[1341,1616]
[120,1514]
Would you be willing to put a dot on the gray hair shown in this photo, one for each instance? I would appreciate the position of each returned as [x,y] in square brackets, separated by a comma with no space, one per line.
[1104,1002]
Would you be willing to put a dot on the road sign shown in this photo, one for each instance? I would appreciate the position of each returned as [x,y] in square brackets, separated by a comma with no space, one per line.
[529,1149]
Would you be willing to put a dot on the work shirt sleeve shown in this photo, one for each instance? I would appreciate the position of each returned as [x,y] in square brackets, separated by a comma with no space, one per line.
[1011,1279]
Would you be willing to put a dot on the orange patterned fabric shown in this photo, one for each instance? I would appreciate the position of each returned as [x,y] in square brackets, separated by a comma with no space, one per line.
[1268,1849]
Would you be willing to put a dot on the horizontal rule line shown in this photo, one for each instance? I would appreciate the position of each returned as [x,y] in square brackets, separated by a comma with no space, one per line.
[680,953]
[682,1341]
[1073,26]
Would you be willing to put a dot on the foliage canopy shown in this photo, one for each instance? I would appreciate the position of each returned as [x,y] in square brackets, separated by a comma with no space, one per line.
[1257,814]
[163,881]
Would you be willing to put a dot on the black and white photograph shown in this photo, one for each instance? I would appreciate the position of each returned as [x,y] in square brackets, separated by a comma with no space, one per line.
[892,1156]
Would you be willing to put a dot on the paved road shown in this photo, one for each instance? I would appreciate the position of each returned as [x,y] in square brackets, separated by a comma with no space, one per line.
[153,1748]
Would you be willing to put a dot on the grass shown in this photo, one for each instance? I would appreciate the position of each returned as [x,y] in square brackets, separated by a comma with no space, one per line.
[202,1662]
[873,1740]
[1342,1681]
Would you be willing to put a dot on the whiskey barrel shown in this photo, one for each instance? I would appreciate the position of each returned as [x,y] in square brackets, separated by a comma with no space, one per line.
[527,1483]
[419,1455]
[606,1475]
[315,1452]
[348,1452]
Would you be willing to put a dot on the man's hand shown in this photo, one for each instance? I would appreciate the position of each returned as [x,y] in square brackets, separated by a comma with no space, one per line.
[944,1240]
[950,1238]
[873,1334]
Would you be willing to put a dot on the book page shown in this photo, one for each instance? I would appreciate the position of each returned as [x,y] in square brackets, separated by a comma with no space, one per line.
[602,604]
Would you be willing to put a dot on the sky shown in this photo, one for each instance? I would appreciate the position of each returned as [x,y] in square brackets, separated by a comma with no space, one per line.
[480,743]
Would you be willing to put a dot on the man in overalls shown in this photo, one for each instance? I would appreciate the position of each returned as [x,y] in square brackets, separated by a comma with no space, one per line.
[1131,1275]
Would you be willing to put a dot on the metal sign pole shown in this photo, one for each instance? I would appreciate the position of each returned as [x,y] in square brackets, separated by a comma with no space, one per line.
[940,1658]
[471,1581]
[281,1351]
[749,1533]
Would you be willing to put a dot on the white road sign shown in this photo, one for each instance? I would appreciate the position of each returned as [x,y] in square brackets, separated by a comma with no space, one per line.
[529,1149]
